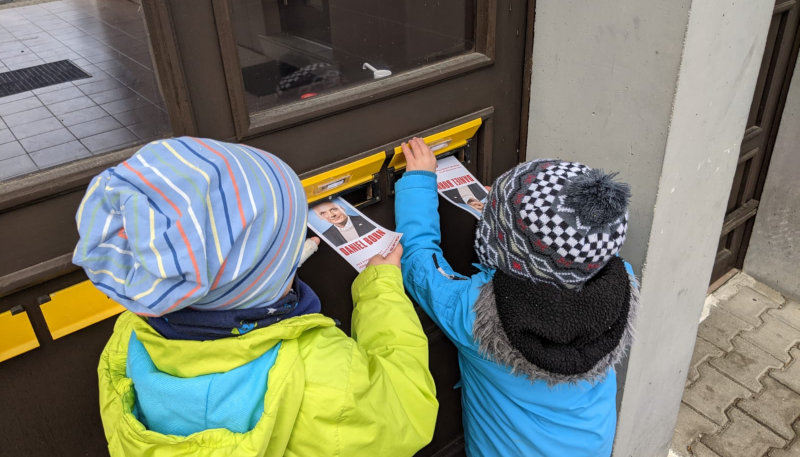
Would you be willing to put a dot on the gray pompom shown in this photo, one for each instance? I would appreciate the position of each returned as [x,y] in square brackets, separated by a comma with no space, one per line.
[596,198]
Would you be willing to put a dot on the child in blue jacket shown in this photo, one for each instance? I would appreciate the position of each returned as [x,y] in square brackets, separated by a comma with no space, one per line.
[540,327]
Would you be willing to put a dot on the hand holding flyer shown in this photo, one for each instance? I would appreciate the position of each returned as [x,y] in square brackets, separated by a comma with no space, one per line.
[457,185]
[353,235]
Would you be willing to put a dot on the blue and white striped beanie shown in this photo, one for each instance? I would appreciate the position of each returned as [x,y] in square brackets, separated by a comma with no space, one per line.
[191,222]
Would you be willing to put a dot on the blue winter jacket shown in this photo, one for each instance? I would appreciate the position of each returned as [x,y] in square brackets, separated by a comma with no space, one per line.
[504,415]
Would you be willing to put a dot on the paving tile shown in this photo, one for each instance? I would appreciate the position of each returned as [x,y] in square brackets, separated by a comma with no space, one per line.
[775,337]
[11,149]
[45,140]
[130,73]
[60,154]
[690,427]
[746,364]
[149,131]
[6,136]
[701,450]
[110,141]
[788,313]
[15,97]
[112,95]
[23,64]
[790,375]
[703,351]
[101,85]
[82,115]
[60,95]
[109,65]
[106,56]
[27,116]
[794,449]
[126,104]
[748,305]
[29,129]
[16,166]
[94,127]
[777,407]
[23,61]
[54,87]
[147,113]
[767,291]
[713,393]
[720,327]
[70,105]
[19,106]
[743,438]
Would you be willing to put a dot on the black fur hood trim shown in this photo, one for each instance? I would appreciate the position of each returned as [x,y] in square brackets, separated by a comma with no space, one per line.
[558,335]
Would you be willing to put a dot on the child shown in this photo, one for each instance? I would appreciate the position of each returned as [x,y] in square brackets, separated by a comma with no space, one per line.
[223,350]
[541,325]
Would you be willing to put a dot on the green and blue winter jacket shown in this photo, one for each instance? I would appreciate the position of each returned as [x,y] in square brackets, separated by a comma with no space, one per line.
[299,387]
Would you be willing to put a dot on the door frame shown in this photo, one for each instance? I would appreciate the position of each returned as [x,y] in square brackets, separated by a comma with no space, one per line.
[743,217]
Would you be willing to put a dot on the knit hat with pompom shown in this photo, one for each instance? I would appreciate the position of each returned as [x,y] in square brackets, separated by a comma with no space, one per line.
[553,221]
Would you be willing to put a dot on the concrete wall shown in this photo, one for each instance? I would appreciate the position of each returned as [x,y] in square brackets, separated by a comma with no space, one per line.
[773,255]
[659,92]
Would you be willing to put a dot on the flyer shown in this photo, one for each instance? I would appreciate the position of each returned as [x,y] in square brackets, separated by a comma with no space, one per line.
[457,185]
[350,233]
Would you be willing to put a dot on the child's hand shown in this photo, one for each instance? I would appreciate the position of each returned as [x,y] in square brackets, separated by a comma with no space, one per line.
[309,247]
[419,156]
[393,258]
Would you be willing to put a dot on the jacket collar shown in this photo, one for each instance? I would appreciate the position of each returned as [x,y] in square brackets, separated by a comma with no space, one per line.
[186,358]
[544,344]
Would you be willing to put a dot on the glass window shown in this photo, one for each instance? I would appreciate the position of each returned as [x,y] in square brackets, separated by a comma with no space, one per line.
[76,81]
[291,50]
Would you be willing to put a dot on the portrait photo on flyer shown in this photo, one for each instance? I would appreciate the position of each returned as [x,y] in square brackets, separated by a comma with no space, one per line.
[349,232]
[458,186]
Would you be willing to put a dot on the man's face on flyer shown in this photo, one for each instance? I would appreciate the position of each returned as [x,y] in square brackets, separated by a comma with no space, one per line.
[331,212]
[475,204]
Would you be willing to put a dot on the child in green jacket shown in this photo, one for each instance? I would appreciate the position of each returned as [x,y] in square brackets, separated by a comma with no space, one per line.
[223,350]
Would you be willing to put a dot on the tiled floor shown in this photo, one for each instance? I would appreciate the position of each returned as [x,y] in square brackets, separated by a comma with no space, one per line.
[118,106]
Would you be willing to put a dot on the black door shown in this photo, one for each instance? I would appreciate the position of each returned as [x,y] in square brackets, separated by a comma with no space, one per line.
[319,83]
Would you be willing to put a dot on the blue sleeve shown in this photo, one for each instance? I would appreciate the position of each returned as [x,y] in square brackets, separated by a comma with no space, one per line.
[443,294]
[629,269]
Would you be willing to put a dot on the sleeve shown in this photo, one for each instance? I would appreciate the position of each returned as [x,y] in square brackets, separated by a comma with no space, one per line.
[631,274]
[393,407]
[443,294]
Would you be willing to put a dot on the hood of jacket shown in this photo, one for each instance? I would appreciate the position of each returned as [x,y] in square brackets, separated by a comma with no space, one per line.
[183,358]
[558,335]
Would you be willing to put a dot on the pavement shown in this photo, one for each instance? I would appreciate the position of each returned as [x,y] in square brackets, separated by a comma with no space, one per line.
[742,394]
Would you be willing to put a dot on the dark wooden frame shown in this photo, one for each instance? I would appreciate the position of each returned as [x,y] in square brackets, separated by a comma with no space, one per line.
[522,147]
[282,116]
[741,220]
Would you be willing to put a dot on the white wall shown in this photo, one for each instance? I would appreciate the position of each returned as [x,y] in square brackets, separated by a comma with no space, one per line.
[660,92]
[773,255]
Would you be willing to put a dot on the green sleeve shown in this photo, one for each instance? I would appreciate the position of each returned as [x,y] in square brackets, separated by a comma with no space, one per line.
[393,408]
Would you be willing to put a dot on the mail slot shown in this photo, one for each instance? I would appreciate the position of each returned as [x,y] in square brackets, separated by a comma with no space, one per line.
[357,180]
[454,141]
[77,307]
[18,335]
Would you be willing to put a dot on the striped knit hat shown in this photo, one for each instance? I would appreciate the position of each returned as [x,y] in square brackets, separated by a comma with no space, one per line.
[191,222]
[553,221]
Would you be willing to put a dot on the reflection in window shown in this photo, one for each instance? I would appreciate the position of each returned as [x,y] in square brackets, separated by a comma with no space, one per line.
[290,50]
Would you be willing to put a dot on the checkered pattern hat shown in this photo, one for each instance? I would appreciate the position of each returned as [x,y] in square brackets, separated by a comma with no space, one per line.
[314,77]
[553,221]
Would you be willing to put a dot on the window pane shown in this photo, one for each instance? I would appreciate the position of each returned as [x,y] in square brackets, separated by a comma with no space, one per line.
[294,49]
[76,80]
